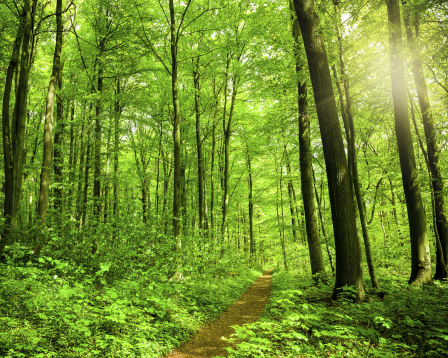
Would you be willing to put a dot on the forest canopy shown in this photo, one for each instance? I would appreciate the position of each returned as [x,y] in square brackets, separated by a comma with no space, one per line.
[185,137]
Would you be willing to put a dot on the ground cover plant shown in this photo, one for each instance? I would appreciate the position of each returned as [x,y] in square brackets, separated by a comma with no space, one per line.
[302,321]
[51,307]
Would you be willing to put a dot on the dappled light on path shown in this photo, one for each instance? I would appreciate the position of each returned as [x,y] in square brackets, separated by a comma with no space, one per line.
[207,343]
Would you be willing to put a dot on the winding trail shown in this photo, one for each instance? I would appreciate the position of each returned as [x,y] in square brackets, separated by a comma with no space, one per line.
[207,343]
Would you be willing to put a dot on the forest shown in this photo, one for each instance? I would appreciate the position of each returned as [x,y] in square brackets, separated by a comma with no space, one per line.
[158,156]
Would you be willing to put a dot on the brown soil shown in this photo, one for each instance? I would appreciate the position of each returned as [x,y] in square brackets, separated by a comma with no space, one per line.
[207,343]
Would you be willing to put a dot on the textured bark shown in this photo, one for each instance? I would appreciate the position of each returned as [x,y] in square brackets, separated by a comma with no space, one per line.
[42,206]
[291,195]
[97,156]
[117,145]
[6,132]
[421,260]
[432,146]
[176,130]
[199,144]
[251,211]
[58,141]
[15,144]
[330,256]
[348,250]
[346,110]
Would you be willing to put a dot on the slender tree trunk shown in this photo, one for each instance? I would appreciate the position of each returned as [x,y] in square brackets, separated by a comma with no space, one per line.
[251,212]
[324,233]
[348,250]
[42,206]
[292,206]
[117,148]
[58,142]
[280,229]
[72,161]
[176,131]
[80,175]
[421,260]
[199,145]
[432,146]
[86,183]
[97,157]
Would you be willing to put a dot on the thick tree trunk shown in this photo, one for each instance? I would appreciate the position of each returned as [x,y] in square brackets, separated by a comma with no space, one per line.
[353,163]
[42,206]
[348,250]
[15,145]
[306,177]
[7,150]
[432,145]
[421,260]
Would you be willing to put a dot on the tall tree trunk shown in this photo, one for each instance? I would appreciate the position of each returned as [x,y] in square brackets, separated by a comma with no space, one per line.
[6,134]
[72,160]
[226,127]
[291,195]
[176,131]
[281,227]
[97,157]
[116,146]
[324,233]
[199,145]
[312,229]
[42,206]
[251,212]
[15,145]
[421,260]
[432,146]
[58,142]
[348,250]
[351,143]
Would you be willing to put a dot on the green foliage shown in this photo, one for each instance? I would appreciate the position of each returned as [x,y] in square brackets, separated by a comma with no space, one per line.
[301,320]
[50,307]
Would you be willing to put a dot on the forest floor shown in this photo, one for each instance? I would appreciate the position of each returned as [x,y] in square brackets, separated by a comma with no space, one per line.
[208,342]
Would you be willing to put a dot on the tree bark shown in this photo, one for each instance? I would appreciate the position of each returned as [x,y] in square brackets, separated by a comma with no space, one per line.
[42,206]
[348,250]
[432,146]
[176,130]
[199,144]
[421,260]
[58,142]
[306,178]
[15,144]
[353,163]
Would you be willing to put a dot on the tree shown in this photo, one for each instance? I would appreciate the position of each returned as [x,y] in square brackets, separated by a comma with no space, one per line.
[420,255]
[348,250]
[306,177]
[14,139]
[42,207]
[411,24]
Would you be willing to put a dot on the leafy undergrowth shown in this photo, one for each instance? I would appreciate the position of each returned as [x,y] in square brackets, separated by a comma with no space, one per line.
[55,308]
[302,321]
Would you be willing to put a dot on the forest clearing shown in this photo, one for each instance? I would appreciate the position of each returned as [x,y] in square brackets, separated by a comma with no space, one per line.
[237,178]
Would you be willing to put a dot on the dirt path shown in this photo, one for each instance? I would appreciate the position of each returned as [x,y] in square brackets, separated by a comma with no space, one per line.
[207,343]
